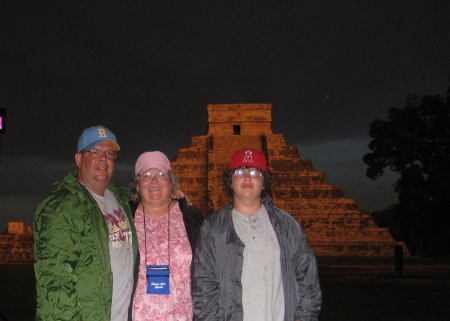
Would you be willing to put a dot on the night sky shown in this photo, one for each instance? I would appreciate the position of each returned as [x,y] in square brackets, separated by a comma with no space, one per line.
[147,70]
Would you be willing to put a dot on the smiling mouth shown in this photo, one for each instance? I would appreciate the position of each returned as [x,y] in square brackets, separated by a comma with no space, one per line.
[154,188]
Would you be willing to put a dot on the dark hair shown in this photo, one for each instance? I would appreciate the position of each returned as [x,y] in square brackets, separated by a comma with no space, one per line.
[228,174]
[136,197]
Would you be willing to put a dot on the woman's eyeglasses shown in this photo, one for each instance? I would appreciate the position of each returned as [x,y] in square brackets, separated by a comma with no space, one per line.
[149,175]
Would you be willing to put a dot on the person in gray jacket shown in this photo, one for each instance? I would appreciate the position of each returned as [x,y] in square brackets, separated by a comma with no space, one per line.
[253,261]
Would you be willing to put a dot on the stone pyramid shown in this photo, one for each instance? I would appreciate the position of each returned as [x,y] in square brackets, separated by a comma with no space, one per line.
[334,225]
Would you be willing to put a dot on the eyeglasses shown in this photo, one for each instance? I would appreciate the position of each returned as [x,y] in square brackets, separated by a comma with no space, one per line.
[149,175]
[110,154]
[252,172]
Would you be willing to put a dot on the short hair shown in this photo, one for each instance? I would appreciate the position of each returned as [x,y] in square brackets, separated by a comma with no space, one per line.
[136,196]
[228,174]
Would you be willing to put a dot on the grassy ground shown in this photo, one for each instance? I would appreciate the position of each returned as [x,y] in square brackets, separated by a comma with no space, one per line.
[367,289]
[17,292]
[363,289]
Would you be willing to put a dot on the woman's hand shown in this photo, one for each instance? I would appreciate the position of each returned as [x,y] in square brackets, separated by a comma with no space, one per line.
[180,194]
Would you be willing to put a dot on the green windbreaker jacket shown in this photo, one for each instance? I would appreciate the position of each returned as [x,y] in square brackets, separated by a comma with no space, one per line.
[72,266]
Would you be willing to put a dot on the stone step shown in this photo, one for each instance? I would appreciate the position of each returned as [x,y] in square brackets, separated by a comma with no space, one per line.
[333,224]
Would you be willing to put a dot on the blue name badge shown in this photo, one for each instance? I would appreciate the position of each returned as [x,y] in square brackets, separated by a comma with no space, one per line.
[158,279]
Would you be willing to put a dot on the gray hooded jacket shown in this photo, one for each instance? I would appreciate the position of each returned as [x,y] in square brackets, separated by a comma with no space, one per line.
[218,262]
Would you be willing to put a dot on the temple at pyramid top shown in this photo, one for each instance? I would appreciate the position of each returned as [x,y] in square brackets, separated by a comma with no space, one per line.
[240,119]
[334,224]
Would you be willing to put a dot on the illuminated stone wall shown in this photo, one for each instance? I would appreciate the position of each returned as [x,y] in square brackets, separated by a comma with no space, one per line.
[334,225]
[17,245]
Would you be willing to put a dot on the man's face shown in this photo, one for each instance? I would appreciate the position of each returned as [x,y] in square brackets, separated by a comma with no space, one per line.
[96,172]
[247,187]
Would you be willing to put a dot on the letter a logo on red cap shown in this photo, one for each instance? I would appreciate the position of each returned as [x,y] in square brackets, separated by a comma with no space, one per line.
[248,156]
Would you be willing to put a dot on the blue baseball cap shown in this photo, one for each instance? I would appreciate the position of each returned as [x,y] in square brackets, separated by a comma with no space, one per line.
[95,135]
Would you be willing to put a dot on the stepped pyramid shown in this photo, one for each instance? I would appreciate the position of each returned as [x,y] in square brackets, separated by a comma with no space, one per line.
[334,225]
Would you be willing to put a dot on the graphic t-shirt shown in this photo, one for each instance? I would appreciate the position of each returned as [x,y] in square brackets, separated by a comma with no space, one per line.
[159,233]
[121,254]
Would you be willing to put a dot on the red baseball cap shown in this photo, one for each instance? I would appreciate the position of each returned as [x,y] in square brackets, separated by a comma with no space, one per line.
[248,157]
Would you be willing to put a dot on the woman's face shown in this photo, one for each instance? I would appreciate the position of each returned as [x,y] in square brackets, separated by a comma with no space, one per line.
[154,187]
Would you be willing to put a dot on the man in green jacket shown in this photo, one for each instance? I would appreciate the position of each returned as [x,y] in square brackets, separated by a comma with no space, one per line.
[85,241]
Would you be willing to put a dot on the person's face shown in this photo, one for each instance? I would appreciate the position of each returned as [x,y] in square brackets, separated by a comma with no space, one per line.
[247,187]
[96,172]
[155,189]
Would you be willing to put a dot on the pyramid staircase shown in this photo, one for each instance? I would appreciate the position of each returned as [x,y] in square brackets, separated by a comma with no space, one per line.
[334,225]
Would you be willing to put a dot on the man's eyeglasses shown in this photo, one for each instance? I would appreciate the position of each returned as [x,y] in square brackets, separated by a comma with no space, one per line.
[252,172]
[110,154]
[149,176]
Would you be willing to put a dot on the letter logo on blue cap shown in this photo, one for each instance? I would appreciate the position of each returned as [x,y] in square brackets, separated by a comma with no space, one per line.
[95,135]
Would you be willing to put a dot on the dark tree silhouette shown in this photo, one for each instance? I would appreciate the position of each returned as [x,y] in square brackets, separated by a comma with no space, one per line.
[415,142]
